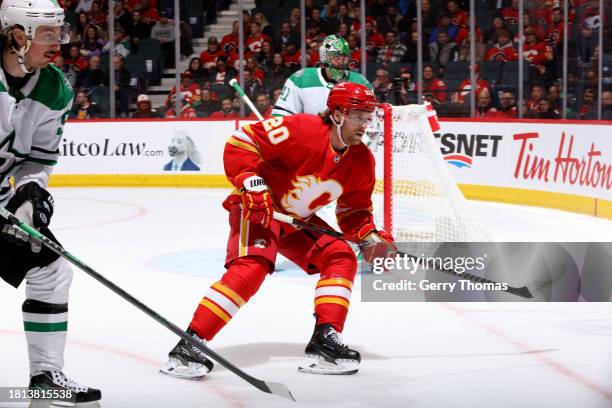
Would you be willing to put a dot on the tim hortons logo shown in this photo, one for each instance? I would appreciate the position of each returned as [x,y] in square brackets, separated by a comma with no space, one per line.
[567,168]
[459,150]
[310,194]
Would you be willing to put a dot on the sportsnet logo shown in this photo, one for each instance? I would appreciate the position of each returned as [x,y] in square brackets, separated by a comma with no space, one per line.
[460,149]
[459,160]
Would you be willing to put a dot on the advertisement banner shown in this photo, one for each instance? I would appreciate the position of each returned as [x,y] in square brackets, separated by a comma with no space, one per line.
[562,158]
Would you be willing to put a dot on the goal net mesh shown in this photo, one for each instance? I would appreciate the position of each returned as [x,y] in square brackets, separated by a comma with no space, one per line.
[424,202]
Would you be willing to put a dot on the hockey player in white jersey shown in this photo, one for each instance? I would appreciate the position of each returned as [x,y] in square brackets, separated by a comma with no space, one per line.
[306,91]
[35,100]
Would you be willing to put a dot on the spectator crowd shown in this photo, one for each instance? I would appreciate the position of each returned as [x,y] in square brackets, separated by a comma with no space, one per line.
[144,38]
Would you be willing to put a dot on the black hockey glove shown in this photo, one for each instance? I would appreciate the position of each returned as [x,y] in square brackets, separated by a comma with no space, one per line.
[33,205]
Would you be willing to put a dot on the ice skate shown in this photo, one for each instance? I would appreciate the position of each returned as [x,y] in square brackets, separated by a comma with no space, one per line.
[69,392]
[186,361]
[326,354]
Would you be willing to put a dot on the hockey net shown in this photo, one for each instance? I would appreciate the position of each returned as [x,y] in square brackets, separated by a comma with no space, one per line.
[415,196]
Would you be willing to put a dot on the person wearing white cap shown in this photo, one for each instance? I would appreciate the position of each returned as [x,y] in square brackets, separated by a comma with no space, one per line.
[144,109]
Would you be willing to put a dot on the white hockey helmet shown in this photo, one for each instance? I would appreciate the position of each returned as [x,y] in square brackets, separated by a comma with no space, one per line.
[31,14]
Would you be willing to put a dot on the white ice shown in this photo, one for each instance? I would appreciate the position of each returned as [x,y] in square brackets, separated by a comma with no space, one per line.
[166,246]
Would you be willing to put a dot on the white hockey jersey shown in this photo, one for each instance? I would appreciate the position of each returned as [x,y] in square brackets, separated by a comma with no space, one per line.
[306,91]
[31,126]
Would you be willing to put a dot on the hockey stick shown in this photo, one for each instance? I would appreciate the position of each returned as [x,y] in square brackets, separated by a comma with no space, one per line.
[522,291]
[269,387]
[234,84]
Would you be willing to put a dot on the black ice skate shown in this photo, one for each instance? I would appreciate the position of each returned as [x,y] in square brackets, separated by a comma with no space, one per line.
[186,361]
[67,391]
[326,354]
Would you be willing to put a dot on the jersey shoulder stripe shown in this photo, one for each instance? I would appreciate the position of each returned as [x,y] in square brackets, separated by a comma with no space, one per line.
[52,89]
[306,78]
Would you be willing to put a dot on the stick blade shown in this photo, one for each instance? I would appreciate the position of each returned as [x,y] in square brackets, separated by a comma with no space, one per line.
[277,389]
[522,292]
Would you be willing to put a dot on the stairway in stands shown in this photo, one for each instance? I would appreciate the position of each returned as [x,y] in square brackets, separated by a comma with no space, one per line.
[223,26]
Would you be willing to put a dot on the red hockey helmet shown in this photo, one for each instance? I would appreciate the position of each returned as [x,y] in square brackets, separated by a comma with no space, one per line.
[348,95]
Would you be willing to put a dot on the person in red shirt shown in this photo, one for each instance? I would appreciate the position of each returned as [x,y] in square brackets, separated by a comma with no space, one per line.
[255,41]
[227,110]
[186,110]
[463,91]
[507,109]
[209,56]
[511,13]
[374,40]
[503,50]
[533,103]
[292,54]
[554,34]
[458,16]
[295,165]
[537,53]
[262,103]
[434,90]
[187,85]
[484,108]
[233,37]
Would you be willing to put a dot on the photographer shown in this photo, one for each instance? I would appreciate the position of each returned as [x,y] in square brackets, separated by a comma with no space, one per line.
[403,91]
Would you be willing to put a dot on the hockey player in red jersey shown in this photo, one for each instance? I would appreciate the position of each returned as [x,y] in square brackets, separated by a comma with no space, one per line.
[295,165]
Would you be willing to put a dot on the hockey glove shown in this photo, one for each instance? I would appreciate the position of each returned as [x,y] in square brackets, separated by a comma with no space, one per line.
[375,243]
[33,205]
[256,199]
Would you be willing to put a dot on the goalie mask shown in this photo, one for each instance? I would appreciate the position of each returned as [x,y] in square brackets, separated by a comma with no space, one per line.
[336,54]
[41,20]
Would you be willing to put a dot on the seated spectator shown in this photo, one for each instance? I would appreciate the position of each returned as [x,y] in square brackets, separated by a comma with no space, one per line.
[196,70]
[554,32]
[353,43]
[324,25]
[92,76]
[163,31]
[404,89]
[92,43]
[445,23]
[533,103]
[75,58]
[458,17]
[186,110]
[497,26]
[382,85]
[139,28]
[412,48]
[254,42]
[606,105]
[266,56]
[393,51]
[545,111]
[275,94]
[430,18]
[266,28]
[231,38]
[97,15]
[554,96]
[256,71]
[463,91]
[278,73]
[252,87]
[374,40]
[314,58]
[187,85]
[484,107]
[503,50]
[343,16]
[222,73]
[123,45]
[121,86]
[285,36]
[78,31]
[70,71]
[84,6]
[443,50]
[292,55]
[144,109]
[343,30]
[233,57]
[149,11]
[227,110]
[210,54]
[507,106]
[123,17]
[434,90]
[588,107]
[538,54]
[262,103]
[207,105]
[83,108]
[511,13]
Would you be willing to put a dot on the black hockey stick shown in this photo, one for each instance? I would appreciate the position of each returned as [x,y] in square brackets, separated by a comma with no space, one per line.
[269,387]
[522,291]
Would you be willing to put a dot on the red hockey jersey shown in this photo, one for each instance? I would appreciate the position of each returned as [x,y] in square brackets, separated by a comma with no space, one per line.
[294,156]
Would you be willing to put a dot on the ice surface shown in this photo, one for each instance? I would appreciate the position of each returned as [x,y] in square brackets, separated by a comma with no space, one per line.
[166,246]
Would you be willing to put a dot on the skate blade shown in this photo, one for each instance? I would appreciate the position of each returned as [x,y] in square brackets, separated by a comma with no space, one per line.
[318,365]
[175,368]
[57,404]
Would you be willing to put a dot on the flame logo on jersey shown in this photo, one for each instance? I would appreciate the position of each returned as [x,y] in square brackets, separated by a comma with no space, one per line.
[310,194]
